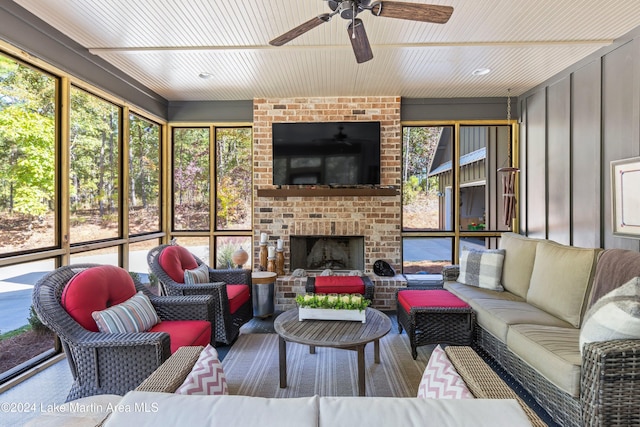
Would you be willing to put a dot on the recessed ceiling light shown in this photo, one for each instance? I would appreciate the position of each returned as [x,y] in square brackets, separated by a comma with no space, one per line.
[205,75]
[481,71]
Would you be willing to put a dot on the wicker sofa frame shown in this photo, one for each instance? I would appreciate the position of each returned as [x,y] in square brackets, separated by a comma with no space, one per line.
[609,379]
[227,324]
[368,286]
[103,363]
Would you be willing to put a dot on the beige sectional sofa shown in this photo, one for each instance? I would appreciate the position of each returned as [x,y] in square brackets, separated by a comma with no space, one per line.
[532,329]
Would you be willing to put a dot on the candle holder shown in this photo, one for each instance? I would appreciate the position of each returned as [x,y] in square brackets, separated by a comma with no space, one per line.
[271,265]
[280,262]
[263,257]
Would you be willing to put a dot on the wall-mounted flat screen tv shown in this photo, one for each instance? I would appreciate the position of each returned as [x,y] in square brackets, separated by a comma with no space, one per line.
[326,153]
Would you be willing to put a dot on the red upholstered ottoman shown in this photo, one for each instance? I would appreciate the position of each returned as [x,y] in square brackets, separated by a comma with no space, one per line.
[434,317]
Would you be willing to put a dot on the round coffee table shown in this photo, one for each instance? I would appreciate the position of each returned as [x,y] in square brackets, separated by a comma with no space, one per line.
[347,335]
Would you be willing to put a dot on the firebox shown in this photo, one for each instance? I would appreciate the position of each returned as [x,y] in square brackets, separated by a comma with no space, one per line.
[322,252]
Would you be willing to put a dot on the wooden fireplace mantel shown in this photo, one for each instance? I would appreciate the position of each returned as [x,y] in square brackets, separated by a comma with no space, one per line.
[326,192]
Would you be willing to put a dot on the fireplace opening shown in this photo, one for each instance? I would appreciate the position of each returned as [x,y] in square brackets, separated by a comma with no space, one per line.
[322,252]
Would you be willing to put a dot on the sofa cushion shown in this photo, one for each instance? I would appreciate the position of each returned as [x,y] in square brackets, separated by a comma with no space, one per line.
[200,274]
[339,285]
[206,376]
[520,253]
[466,292]
[168,409]
[616,316]
[429,298]
[440,379]
[495,316]
[174,260]
[238,295]
[134,315]
[561,280]
[553,351]
[185,332]
[482,268]
[406,411]
[95,289]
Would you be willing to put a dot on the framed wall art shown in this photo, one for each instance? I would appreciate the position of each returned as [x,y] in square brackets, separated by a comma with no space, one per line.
[625,182]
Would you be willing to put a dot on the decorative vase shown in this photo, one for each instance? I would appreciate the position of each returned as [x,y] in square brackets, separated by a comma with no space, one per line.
[239,257]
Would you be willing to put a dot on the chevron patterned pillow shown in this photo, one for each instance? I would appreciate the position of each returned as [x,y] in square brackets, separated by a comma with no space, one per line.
[441,380]
[206,377]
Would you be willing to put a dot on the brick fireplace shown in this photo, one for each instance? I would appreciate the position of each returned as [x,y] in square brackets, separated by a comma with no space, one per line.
[330,212]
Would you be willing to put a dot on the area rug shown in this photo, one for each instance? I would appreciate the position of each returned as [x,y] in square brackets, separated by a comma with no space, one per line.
[251,368]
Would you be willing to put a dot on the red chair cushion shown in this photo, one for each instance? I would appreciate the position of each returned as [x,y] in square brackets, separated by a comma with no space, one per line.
[238,295]
[339,285]
[174,260]
[429,298]
[185,332]
[95,289]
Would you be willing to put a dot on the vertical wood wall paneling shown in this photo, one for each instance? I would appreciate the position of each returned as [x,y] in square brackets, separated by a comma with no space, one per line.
[558,161]
[522,202]
[536,166]
[620,123]
[586,158]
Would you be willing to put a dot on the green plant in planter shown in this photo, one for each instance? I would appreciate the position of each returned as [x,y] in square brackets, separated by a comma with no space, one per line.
[333,301]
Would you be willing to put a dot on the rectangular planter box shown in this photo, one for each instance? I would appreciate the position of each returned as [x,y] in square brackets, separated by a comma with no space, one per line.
[329,314]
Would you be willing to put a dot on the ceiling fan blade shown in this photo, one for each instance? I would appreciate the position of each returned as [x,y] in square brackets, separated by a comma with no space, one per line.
[300,29]
[413,11]
[359,41]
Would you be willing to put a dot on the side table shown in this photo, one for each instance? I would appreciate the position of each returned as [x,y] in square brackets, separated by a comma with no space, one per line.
[262,292]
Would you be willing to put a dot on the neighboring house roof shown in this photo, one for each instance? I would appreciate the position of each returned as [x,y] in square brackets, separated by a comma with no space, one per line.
[474,156]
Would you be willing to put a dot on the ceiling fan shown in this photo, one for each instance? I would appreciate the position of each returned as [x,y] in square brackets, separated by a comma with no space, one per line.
[349,9]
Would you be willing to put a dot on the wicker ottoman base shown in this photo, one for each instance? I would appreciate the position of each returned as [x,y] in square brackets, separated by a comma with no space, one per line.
[434,323]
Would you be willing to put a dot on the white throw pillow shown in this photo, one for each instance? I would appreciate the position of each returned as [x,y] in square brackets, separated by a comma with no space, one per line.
[197,275]
[615,316]
[207,376]
[440,379]
[136,314]
[482,268]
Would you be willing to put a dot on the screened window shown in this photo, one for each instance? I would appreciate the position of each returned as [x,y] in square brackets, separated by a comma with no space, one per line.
[191,185]
[144,176]
[233,178]
[94,173]
[27,157]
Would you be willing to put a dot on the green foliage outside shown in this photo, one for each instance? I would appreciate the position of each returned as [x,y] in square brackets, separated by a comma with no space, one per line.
[27,139]
[35,322]
[418,151]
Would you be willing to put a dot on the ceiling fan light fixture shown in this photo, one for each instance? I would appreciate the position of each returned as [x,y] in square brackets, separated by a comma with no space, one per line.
[481,71]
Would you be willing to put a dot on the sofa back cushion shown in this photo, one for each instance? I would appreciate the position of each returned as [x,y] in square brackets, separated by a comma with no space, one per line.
[615,268]
[96,289]
[520,253]
[561,280]
[174,260]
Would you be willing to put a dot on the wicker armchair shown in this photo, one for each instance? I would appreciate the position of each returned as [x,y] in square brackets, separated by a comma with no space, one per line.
[110,363]
[228,321]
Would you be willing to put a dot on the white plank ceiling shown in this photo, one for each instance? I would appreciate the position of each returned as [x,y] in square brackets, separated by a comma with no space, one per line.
[166,44]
